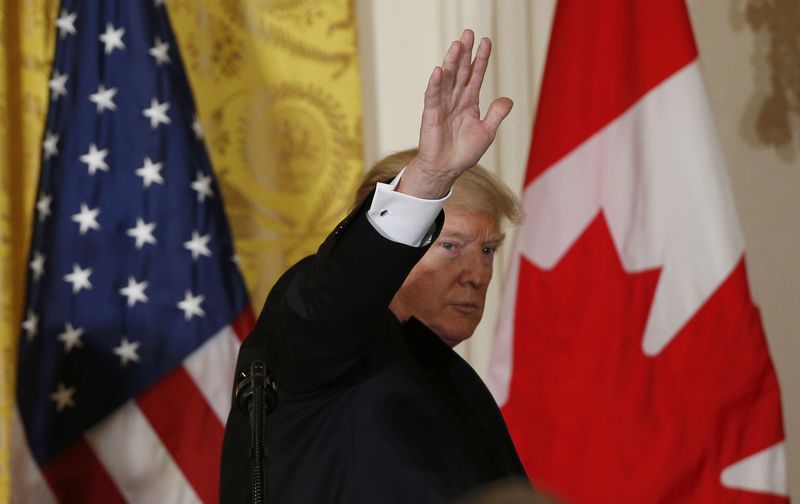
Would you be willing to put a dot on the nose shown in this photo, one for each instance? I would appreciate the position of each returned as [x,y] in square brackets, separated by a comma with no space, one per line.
[476,270]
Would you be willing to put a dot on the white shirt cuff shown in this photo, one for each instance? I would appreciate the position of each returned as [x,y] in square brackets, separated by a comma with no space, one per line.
[403,218]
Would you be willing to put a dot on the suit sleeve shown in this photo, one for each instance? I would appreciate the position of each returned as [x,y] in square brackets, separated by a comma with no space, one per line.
[315,326]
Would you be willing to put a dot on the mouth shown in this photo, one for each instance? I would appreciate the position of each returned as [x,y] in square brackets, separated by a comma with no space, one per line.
[465,308]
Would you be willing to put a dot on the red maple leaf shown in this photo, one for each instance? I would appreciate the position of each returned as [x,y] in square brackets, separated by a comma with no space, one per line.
[595,420]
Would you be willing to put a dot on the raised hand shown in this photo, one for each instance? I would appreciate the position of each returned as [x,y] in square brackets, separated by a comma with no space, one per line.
[452,136]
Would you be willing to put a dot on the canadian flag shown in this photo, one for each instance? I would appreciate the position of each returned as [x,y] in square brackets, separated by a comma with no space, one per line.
[630,361]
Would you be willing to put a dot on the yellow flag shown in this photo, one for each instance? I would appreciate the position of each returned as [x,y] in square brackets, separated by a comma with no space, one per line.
[25,57]
[278,88]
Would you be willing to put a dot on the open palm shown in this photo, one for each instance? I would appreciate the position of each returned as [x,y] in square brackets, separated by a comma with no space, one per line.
[453,137]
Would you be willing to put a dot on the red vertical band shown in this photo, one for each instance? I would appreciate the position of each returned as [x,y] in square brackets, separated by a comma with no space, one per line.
[603,56]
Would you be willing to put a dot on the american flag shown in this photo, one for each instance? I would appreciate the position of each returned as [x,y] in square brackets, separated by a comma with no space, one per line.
[135,306]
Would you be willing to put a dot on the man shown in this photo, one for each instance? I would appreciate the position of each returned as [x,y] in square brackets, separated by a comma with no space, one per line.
[374,405]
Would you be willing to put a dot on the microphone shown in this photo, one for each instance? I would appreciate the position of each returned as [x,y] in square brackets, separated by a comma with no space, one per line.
[248,381]
[256,396]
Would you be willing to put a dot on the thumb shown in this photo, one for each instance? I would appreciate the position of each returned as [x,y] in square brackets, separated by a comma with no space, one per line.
[498,111]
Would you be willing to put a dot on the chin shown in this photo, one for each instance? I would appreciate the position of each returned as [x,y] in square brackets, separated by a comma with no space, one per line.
[453,330]
[453,338]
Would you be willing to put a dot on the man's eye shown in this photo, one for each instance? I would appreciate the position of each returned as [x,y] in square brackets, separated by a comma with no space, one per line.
[448,245]
[488,251]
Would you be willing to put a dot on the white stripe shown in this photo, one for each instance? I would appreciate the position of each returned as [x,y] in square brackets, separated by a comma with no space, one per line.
[658,176]
[212,367]
[27,482]
[762,472]
[132,453]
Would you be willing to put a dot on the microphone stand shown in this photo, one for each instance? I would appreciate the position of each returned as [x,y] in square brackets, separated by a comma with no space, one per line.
[256,396]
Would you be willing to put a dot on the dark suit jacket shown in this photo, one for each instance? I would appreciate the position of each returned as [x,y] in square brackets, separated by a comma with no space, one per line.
[370,410]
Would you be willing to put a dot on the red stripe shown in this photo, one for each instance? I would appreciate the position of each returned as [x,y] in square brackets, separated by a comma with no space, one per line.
[189,429]
[244,323]
[77,475]
[603,56]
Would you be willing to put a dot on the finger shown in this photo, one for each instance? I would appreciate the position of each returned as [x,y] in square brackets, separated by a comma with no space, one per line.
[464,66]
[473,89]
[498,111]
[433,91]
[450,67]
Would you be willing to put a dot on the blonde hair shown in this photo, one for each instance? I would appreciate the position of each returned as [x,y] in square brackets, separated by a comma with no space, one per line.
[476,190]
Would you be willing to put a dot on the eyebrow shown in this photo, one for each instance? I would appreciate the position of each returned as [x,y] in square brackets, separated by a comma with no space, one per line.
[498,238]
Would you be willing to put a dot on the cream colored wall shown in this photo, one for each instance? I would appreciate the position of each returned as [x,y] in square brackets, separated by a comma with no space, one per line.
[401,41]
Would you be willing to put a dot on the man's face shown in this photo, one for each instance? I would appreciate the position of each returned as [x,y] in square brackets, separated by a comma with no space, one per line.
[446,289]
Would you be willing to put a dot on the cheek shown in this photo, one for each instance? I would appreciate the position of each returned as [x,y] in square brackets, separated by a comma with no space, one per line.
[417,291]
[430,289]
[431,293]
